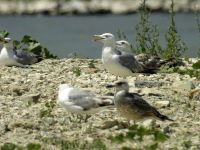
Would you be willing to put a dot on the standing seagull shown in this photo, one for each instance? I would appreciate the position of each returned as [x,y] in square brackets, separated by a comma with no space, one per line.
[10,57]
[116,62]
[79,101]
[132,106]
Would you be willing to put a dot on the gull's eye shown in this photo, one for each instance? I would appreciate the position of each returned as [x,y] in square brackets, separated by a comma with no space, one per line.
[120,83]
[107,36]
[123,43]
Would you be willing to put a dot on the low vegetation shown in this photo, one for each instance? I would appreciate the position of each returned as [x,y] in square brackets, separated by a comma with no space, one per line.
[29,44]
[135,133]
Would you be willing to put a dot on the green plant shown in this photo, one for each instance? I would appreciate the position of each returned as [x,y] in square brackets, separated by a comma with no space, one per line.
[121,35]
[33,146]
[198,27]
[10,146]
[196,65]
[46,112]
[29,44]
[147,35]
[91,63]
[29,146]
[4,33]
[97,144]
[191,72]
[175,46]
[76,71]
[137,133]
[187,144]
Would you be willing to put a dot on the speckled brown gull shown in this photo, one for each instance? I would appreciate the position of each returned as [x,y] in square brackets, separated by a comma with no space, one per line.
[132,106]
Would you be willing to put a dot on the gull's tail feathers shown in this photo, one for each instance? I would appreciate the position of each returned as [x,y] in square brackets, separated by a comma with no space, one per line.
[160,116]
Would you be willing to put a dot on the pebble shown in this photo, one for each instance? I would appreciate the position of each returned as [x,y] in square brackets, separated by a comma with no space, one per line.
[162,104]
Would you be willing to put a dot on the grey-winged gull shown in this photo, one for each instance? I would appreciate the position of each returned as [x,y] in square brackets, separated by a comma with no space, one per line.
[79,101]
[154,62]
[124,46]
[132,106]
[11,57]
[116,62]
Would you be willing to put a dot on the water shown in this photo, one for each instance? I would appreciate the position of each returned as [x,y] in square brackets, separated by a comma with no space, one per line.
[64,35]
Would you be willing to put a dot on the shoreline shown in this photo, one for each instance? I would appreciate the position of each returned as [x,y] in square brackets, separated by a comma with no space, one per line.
[93,7]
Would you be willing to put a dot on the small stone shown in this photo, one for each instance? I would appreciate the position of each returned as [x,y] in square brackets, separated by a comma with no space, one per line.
[162,103]
[182,86]
[148,123]
[109,124]
[32,98]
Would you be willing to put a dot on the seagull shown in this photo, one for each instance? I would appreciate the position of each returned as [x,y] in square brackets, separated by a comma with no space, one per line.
[132,106]
[154,62]
[116,62]
[79,101]
[124,46]
[11,57]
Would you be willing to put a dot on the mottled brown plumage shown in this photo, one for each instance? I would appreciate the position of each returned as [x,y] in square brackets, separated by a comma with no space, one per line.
[134,107]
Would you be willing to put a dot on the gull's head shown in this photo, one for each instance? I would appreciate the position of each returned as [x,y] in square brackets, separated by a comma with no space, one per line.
[123,45]
[119,86]
[7,42]
[62,87]
[106,38]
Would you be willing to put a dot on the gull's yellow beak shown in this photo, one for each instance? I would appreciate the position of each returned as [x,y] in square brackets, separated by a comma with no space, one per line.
[97,37]
[117,43]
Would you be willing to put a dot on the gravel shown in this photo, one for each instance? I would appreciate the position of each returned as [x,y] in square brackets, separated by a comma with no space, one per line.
[29,112]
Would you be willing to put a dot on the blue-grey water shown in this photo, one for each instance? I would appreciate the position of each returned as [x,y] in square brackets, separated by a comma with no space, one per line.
[64,35]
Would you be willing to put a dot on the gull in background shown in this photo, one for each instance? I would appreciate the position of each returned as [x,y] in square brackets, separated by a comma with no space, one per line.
[124,46]
[117,62]
[153,62]
[132,106]
[79,101]
[11,57]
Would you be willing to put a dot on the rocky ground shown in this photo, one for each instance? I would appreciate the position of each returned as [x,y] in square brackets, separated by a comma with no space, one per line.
[29,112]
[53,7]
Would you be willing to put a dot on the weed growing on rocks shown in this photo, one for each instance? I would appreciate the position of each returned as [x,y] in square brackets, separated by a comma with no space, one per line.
[46,112]
[96,144]
[29,146]
[91,64]
[76,71]
[137,133]
[175,46]
[147,35]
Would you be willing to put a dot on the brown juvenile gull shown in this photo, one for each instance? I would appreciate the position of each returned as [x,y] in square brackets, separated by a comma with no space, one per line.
[116,62]
[132,106]
[11,57]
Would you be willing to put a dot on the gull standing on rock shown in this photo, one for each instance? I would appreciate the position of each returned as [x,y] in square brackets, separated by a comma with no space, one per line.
[11,57]
[80,101]
[117,62]
[132,106]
